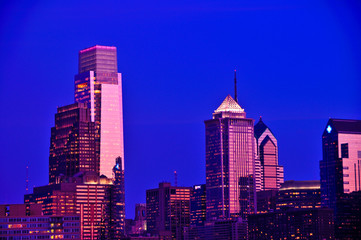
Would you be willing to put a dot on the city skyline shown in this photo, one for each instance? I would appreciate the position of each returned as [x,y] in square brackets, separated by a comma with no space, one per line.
[169,93]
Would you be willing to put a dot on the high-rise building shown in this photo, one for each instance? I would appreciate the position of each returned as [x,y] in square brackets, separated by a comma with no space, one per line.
[340,168]
[198,205]
[269,175]
[230,158]
[99,85]
[168,210]
[72,143]
[340,171]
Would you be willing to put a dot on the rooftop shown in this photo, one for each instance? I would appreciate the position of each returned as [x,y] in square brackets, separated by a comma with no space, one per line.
[229,105]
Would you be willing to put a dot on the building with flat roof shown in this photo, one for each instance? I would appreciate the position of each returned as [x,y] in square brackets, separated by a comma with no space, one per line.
[25,221]
[99,85]
[168,210]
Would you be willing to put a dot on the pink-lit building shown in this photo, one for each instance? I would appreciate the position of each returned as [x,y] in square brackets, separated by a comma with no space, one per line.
[99,85]
[230,148]
[269,174]
[26,221]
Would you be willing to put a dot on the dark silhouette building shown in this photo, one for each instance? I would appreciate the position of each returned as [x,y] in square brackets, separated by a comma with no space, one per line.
[340,168]
[168,210]
[72,143]
[198,205]
[314,223]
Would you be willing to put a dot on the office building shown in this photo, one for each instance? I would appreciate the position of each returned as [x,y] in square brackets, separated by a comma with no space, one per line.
[168,210]
[269,175]
[232,229]
[99,85]
[340,168]
[230,152]
[198,205]
[299,194]
[25,221]
[98,201]
[72,143]
[348,219]
[313,223]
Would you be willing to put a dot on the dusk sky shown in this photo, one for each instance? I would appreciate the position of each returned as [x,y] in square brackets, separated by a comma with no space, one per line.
[298,63]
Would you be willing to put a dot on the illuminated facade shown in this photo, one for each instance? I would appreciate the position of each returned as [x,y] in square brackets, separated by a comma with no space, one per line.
[269,175]
[230,148]
[24,221]
[168,210]
[72,143]
[299,194]
[94,199]
[313,223]
[340,167]
[198,205]
[99,85]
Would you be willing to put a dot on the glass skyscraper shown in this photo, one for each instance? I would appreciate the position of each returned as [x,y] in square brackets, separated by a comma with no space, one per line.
[230,148]
[99,85]
[72,143]
[269,175]
[340,167]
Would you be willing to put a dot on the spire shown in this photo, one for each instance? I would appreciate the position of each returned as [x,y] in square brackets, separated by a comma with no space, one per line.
[235,86]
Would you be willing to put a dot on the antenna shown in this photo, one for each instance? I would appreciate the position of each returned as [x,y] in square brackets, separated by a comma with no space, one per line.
[175,179]
[27,178]
[235,86]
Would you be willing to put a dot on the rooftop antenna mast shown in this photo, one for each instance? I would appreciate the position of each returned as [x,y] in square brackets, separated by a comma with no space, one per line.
[235,86]
[175,178]
[27,178]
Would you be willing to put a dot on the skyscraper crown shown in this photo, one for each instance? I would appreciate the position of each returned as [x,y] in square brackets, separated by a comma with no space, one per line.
[229,105]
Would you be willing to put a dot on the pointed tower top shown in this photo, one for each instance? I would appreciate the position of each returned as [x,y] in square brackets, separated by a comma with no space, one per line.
[229,105]
[235,86]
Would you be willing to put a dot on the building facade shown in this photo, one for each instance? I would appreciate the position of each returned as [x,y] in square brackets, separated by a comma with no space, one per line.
[230,169]
[269,174]
[314,223]
[72,143]
[299,194]
[26,221]
[198,205]
[168,210]
[340,168]
[99,85]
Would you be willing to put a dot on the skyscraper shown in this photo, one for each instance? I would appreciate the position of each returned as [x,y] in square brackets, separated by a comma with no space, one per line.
[340,167]
[72,143]
[229,162]
[99,85]
[269,175]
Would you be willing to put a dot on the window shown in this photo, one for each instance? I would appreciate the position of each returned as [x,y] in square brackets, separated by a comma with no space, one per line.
[344,150]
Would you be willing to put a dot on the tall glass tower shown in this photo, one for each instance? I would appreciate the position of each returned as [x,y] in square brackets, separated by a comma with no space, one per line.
[230,152]
[99,85]
[269,175]
[340,168]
